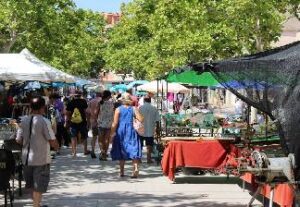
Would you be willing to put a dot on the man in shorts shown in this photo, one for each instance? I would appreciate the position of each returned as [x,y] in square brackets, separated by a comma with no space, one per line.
[77,129]
[151,120]
[36,136]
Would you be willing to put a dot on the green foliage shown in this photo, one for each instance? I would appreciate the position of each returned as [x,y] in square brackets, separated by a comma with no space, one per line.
[68,38]
[155,36]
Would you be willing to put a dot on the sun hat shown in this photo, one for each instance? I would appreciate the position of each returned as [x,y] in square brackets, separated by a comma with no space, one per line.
[126,99]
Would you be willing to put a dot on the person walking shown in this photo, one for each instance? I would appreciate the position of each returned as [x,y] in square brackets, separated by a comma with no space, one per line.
[105,119]
[36,136]
[58,110]
[151,122]
[92,111]
[77,122]
[125,141]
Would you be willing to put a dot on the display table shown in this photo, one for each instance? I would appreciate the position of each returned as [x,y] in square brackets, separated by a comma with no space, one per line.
[204,154]
[283,193]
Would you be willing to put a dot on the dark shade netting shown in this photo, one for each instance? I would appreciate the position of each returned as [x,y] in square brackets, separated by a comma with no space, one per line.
[271,83]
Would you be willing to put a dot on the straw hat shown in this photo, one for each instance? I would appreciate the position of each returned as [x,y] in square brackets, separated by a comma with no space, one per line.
[126,99]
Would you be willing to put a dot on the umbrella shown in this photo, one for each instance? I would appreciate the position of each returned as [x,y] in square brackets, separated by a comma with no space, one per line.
[162,86]
[136,83]
[119,87]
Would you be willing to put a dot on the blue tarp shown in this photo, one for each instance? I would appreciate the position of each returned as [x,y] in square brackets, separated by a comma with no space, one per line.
[246,84]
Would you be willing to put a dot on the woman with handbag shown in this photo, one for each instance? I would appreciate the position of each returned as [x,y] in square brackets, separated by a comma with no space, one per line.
[125,141]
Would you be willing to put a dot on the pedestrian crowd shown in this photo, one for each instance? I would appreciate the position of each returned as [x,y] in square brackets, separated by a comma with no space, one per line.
[111,119]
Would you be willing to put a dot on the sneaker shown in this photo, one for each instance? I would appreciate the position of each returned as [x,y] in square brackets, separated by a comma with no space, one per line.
[93,155]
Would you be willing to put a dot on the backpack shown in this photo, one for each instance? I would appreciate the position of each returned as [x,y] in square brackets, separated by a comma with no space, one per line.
[76,116]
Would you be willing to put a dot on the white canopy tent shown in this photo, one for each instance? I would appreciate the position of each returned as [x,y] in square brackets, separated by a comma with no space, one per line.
[56,75]
[163,86]
[26,67]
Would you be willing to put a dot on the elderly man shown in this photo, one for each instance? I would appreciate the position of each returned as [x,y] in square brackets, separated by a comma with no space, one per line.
[36,136]
[151,120]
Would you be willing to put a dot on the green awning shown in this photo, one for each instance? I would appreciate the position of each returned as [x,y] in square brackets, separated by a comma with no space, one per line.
[192,77]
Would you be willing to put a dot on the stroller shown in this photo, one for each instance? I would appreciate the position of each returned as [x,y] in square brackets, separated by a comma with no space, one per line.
[7,169]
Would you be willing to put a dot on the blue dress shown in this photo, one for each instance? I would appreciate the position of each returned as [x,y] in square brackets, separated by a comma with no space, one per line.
[126,144]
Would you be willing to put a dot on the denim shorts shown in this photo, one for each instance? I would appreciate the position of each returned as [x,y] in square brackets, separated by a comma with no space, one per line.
[37,177]
[75,129]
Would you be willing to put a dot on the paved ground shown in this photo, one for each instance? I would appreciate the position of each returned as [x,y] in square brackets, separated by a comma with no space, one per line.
[84,182]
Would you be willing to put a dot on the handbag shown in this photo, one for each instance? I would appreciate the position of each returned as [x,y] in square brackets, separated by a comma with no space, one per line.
[138,126]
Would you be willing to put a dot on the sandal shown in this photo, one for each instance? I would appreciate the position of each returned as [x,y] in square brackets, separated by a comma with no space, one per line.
[135,174]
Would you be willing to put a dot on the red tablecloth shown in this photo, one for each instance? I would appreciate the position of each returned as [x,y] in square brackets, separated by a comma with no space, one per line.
[201,154]
[283,193]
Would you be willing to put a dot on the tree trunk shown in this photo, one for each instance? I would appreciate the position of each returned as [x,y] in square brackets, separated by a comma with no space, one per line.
[8,45]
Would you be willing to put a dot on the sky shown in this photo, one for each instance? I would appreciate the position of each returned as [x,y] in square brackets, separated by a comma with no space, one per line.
[101,5]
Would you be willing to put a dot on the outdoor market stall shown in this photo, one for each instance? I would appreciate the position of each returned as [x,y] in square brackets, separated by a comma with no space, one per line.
[21,74]
[275,81]
[26,67]
[271,84]
[202,145]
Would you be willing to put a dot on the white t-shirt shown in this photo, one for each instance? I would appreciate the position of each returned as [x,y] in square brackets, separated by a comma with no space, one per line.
[41,134]
[151,116]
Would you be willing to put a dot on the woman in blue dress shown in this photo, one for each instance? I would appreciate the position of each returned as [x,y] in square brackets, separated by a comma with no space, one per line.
[126,144]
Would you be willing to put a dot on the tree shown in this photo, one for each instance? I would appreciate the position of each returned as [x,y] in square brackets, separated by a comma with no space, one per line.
[155,36]
[54,30]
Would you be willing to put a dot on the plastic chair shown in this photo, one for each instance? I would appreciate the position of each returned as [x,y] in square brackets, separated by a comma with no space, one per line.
[7,169]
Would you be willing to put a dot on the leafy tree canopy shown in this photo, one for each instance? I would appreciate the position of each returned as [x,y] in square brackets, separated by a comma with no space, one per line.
[56,31]
[154,36]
